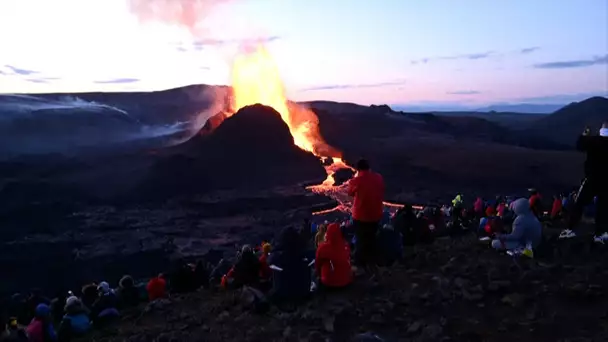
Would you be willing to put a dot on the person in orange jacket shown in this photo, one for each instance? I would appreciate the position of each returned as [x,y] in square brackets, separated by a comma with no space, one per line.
[332,261]
[157,288]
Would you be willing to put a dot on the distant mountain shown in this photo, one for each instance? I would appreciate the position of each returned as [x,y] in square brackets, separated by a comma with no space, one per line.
[566,124]
[527,108]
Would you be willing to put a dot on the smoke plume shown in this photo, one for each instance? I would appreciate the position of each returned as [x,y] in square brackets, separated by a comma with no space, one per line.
[186,13]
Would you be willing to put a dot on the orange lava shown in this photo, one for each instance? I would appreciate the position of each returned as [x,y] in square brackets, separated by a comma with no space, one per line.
[256,79]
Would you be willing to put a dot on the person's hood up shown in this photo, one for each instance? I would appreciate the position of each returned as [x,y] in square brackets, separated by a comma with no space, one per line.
[73,300]
[334,234]
[126,282]
[42,310]
[521,207]
[104,287]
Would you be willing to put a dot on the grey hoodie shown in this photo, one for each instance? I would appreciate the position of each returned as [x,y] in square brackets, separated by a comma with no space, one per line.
[526,227]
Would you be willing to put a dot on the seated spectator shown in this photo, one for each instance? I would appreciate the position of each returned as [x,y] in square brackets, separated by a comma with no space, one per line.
[183,279]
[490,211]
[556,209]
[246,270]
[332,261]
[157,288]
[201,274]
[527,230]
[34,300]
[291,273]
[13,332]
[89,295]
[390,245]
[320,236]
[406,223]
[41,328]
[57,305]
[127,293]
[501,209]
[218,272]
[105,308]
[265,271]
[76,321]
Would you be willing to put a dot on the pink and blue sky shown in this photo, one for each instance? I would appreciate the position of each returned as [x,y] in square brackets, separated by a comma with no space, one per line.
[466,52]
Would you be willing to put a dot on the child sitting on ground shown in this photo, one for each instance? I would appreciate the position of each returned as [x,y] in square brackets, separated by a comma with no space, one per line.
[527,230]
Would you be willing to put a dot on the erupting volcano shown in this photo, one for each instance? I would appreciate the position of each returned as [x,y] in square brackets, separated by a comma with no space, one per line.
[256,79]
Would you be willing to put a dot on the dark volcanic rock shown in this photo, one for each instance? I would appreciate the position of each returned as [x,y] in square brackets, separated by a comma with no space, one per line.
[252,149]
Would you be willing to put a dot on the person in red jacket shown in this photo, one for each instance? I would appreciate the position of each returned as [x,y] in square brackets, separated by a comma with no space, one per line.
[367,188]
[265,271]
[490,211]
[157,288]
[557,207]
[332,260]
[500,210]
[535,203]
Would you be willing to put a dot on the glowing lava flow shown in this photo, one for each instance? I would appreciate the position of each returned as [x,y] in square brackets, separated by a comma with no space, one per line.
[256,79]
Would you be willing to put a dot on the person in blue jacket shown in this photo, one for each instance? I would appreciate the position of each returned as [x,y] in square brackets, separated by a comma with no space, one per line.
[76,321]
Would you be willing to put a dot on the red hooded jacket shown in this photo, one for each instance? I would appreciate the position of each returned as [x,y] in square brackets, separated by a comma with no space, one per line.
[490,211]
[157,288]
[367,188]
[332,260]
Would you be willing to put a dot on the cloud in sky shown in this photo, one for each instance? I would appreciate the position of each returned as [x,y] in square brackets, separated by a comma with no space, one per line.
[42,79]
[18,71]
[355,86]
[474,56]
[579,63]
[118,81]
[529,50]
[463,92]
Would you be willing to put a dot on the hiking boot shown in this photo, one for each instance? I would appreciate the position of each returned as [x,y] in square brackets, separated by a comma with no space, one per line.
[601,238]
[567,234]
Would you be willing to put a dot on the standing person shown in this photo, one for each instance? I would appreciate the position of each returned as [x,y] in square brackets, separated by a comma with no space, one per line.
[367,188]
[594,184]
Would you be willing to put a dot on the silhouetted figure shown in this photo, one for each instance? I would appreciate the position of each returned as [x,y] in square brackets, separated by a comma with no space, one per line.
[594,184]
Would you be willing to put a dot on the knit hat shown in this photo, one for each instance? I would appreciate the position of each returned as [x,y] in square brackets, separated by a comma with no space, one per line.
[266,248]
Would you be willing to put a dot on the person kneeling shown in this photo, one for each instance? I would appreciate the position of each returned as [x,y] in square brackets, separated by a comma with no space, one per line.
[332,261]
[527,229]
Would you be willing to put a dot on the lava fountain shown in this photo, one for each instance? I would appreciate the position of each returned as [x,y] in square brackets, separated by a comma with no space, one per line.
[256,79]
